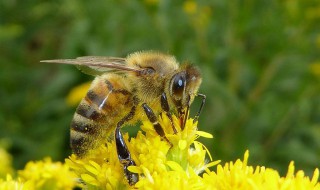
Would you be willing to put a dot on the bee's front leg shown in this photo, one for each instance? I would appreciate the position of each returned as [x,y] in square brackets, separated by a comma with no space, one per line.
[166,108]
[123,151]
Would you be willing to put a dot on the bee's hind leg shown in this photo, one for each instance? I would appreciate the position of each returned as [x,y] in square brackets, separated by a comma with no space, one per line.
[123,151]
[153,119]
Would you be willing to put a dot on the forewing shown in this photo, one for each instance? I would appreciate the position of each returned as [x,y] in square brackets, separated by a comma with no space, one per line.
[96,65]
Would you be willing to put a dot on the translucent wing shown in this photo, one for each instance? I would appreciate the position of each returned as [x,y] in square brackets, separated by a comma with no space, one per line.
[96,65]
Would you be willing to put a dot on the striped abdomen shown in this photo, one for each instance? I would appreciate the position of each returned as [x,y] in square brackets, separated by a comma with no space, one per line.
[105,104]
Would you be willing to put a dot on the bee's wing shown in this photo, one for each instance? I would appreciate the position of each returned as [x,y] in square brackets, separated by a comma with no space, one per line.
[96,65]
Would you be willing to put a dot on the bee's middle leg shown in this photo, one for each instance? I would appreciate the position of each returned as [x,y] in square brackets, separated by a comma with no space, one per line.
[153,119]
[123,151]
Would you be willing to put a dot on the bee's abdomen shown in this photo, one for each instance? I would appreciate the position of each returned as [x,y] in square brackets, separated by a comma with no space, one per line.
[81,125]
[83,132]
[97,115]
[85,127]
[88,115]
[88,111]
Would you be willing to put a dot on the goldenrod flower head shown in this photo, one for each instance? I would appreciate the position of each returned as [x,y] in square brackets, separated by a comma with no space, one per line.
[175,166]
[101,169]
[239,175]
[181,164]
[11,184]
[47,175]
[160,164]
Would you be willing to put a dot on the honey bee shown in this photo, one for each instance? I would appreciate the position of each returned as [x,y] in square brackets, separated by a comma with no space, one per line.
[127,90]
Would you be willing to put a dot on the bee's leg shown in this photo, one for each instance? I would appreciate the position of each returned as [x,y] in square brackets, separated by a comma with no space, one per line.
[153,119]
[196,117]
[166,108]
[122,149]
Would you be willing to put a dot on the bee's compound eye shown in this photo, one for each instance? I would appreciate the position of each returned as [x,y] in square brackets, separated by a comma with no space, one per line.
[178,84]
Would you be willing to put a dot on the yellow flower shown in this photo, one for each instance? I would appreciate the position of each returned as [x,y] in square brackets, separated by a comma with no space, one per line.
[184,163]
[160,165]
[239,175]
[101,169]
[47,175]
[181,164]
[11,184]
[163,166]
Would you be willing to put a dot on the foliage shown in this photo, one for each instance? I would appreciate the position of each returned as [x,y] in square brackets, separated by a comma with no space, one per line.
[260,62]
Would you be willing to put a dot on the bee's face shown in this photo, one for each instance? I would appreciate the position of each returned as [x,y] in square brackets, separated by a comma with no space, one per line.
[184,86]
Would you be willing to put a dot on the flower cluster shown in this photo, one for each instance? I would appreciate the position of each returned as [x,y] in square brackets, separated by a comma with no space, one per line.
[43,174]
[239,175]
[183,164]
[178,162]
[158,163]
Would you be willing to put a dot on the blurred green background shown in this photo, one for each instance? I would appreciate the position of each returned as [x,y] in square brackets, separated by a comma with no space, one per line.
[260,62]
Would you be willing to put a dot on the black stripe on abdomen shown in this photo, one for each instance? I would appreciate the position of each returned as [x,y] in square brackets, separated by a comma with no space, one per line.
[77,145]
[83,127]
[94,97]
[88,111]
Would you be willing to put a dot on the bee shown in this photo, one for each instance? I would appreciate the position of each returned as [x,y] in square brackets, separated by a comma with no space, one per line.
[127,90]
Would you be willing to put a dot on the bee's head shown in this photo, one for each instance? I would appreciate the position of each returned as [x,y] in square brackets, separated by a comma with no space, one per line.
[184,85]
